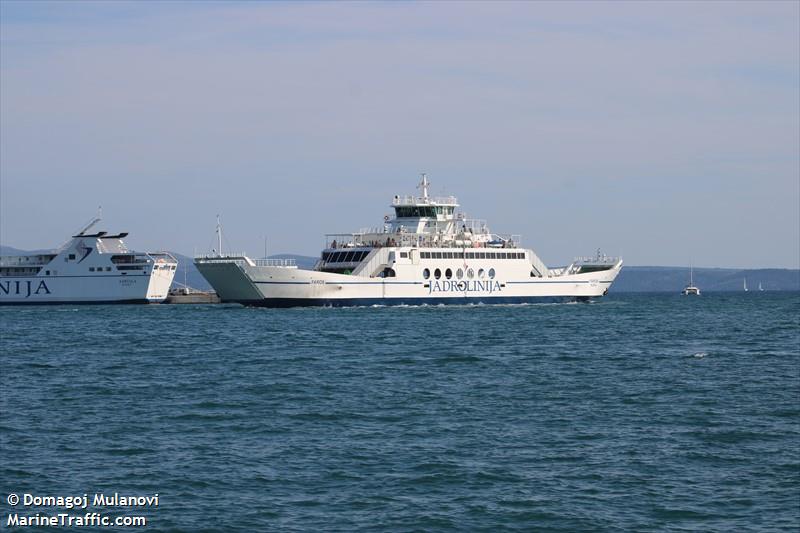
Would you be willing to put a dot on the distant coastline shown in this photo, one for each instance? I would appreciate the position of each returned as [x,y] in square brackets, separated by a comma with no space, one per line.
[673,279]
[631,279]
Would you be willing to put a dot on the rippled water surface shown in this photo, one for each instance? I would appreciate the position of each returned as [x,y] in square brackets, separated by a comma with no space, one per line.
[638,412]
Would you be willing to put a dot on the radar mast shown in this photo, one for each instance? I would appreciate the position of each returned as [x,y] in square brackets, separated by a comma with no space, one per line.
[424,184]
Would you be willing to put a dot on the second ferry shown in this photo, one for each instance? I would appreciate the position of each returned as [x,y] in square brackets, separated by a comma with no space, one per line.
[426,254]
[90,268]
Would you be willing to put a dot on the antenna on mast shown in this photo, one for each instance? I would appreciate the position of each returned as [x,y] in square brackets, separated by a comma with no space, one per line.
[91,224]
[424,185]
[219,238]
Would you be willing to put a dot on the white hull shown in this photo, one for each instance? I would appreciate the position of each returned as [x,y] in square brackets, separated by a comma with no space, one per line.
[274,286]
[112,288]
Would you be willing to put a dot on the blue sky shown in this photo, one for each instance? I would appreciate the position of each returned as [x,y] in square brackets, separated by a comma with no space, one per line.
[667,132]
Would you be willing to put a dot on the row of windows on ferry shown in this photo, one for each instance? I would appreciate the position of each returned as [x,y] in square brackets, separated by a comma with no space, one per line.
[358,255]
[459,274]
[423,210]
[20,271]
[134,267]
[472,255]
[345,256]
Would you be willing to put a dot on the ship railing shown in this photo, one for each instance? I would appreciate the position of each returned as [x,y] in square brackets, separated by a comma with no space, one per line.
[602,260]
[241,259]
[599,259]
[275,262]
[419,240]
[343,240]
[474,225]
[161,256]
[111,247]
[236,258]
[373,231]
[416,200]
[130,259]
[227,255]
[509,241]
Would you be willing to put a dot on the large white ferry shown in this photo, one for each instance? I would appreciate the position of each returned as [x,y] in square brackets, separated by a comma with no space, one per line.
[88,269]
[426,254]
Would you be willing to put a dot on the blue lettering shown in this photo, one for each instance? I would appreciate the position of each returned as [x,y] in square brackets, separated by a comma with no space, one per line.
[489,286]
[435,286]
[42,285]
[7,288]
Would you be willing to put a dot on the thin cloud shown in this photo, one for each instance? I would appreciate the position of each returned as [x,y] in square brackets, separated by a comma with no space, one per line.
[558,105]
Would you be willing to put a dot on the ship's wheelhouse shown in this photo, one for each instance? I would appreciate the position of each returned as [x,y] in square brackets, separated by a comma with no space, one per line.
[428,211]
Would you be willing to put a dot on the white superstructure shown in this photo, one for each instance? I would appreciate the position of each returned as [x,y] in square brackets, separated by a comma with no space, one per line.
[89,268]
[426,254]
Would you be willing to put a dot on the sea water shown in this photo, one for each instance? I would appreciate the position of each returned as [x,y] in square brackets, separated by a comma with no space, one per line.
[637,412]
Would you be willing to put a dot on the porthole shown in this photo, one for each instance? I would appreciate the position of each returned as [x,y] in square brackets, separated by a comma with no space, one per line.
[448,273]
[459,273]
[426,273]
[491,273]
[481,273]
[437,273]
[470,273]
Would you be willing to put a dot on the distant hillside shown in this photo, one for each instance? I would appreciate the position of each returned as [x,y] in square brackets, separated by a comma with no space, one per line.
[631,279]
[10,250]
[674,279]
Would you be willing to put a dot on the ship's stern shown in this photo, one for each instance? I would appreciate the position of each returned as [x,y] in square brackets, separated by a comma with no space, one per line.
[164,267]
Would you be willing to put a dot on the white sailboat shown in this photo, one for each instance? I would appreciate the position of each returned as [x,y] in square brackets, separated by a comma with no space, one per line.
[760,288]
[691,290]
[745,285]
